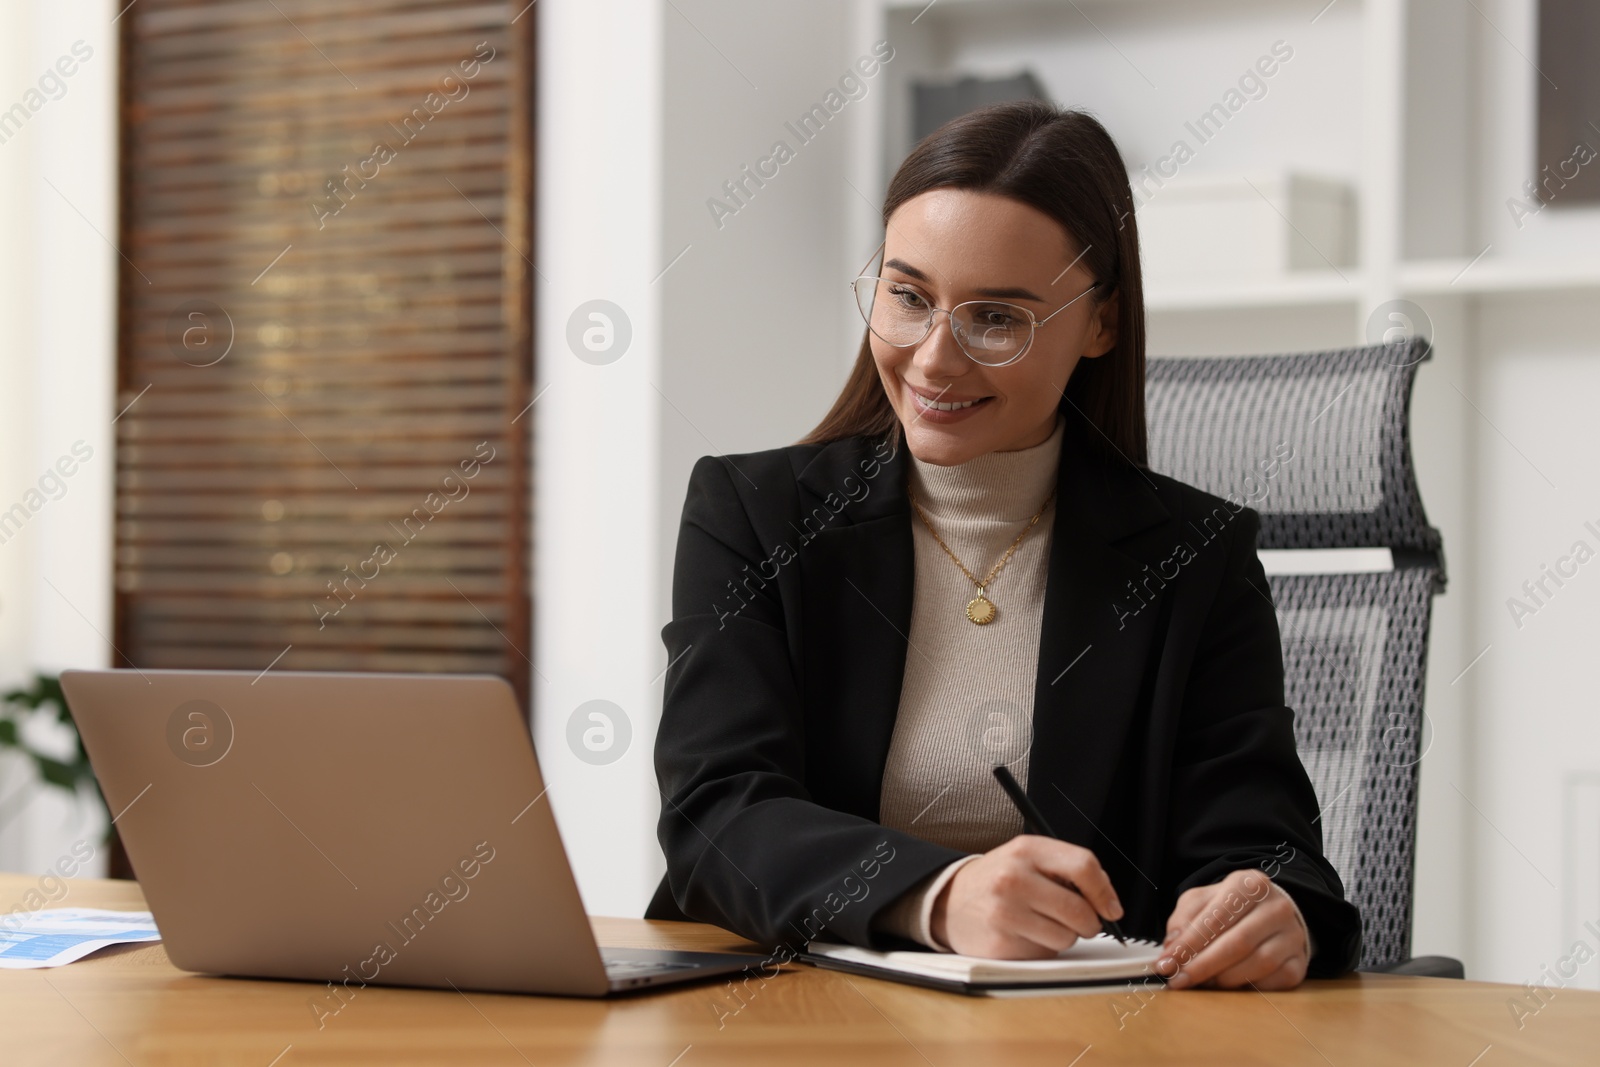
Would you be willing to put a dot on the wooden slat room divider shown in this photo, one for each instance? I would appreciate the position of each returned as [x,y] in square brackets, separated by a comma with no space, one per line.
[325,364]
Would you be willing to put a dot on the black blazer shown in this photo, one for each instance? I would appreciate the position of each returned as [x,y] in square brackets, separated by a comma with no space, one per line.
[1160,738]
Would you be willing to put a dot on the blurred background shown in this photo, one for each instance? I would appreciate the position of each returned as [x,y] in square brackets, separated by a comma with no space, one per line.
[383,334]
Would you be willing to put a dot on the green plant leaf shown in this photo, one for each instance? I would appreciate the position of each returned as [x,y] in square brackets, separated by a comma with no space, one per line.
[44,691]
[57,773]
[34,695]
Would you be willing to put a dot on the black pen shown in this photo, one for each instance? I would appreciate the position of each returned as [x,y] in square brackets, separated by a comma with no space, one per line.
[1031,813]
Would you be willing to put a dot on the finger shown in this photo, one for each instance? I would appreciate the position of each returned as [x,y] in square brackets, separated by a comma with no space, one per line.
[1189,905]
[1176,948]
[1234,945]
[1045,932]
[1234,897]
[1288,976]
[1061,905]
[1078,867]
[996,944]
[1003,945]
[1026,903]
[1212,922]
[1277,953]
[1193,902]
[1015,929]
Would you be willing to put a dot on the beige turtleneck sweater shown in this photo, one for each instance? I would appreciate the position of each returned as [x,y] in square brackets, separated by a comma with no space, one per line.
[966,701]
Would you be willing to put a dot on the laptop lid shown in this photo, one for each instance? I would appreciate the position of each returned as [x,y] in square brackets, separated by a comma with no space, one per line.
[350,828]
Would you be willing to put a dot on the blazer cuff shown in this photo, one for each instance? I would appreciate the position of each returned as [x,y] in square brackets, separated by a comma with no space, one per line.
[911,915]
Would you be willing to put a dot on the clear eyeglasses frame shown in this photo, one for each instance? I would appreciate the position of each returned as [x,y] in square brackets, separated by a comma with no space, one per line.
[984,340]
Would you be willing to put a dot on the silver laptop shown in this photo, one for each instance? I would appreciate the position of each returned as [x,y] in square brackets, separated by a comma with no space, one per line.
[386,829]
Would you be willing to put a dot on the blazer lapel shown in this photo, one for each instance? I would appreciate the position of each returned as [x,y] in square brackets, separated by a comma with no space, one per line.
[1096,635]
[858,574]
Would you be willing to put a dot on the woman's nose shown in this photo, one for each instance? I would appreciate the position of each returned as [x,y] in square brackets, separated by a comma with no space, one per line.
[938,356]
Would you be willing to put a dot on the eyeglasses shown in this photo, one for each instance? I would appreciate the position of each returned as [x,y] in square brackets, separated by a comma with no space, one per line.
[991,332]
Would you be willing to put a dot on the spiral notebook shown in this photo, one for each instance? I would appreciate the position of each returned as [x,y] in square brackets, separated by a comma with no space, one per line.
[1097,960]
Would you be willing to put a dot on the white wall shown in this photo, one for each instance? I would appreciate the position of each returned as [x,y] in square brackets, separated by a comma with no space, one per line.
[729,352]
[1533,848]
[596,427]
[1538,730]
[57,358]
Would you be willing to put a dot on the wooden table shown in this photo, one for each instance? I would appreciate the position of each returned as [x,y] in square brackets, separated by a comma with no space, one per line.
[130,1006]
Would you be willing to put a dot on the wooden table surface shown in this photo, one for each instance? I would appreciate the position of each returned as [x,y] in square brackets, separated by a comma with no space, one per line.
[130,1006]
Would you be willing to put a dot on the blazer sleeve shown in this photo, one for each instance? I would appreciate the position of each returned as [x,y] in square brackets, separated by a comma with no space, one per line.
[1241,797]
[747,848]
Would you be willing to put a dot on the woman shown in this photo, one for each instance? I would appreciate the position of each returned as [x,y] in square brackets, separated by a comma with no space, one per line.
[968,564]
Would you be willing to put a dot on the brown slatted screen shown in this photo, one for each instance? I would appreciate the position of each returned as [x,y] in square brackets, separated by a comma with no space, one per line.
[370,307]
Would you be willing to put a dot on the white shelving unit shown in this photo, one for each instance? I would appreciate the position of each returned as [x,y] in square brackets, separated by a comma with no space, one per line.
[1406,128]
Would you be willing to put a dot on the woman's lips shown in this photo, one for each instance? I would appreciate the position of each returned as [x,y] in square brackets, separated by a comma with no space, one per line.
[927,413]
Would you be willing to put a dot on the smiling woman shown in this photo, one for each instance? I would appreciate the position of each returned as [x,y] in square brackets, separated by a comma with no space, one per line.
[863,694]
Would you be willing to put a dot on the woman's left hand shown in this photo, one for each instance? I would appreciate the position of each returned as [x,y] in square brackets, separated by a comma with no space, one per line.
[1243,930]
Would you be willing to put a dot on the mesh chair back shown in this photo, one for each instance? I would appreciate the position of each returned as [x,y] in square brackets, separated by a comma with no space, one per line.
[1319,444]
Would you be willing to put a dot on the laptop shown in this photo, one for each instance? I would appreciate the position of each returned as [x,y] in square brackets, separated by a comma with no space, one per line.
[353,829]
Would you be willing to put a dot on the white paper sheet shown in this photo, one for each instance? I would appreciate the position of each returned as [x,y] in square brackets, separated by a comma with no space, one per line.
[56,936]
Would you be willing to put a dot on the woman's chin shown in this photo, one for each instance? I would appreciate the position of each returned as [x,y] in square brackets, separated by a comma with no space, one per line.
[940,446]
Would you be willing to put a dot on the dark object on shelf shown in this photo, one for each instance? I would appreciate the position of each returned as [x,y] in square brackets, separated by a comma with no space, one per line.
[936,102]
[1567,171]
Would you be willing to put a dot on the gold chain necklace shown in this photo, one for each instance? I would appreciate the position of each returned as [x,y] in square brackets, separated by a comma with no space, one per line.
[980,609]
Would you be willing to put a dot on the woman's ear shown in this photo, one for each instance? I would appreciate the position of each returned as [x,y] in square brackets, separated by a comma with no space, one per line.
[1102,333]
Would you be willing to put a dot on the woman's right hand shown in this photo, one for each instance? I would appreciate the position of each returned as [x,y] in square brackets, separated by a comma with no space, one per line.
[1027,899]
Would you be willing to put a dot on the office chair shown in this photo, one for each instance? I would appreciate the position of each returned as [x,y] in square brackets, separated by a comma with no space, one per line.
[1319,443]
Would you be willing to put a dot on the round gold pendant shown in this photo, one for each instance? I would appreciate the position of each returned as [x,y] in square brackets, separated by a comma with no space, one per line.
[980,610]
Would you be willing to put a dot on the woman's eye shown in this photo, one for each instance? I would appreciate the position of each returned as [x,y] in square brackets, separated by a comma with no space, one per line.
[998,319]
[908,297]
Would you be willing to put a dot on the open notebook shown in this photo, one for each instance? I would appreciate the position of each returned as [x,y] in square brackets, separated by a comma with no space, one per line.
[1092,961]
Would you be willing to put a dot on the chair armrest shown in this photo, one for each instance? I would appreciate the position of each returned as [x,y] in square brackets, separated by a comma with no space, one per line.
[1427,966]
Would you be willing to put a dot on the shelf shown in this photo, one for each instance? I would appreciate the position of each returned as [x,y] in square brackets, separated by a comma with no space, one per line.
[1441,277]
[1323,288]
[1435,277]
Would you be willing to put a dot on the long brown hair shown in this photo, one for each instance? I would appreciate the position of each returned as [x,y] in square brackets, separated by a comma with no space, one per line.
[1063,163]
